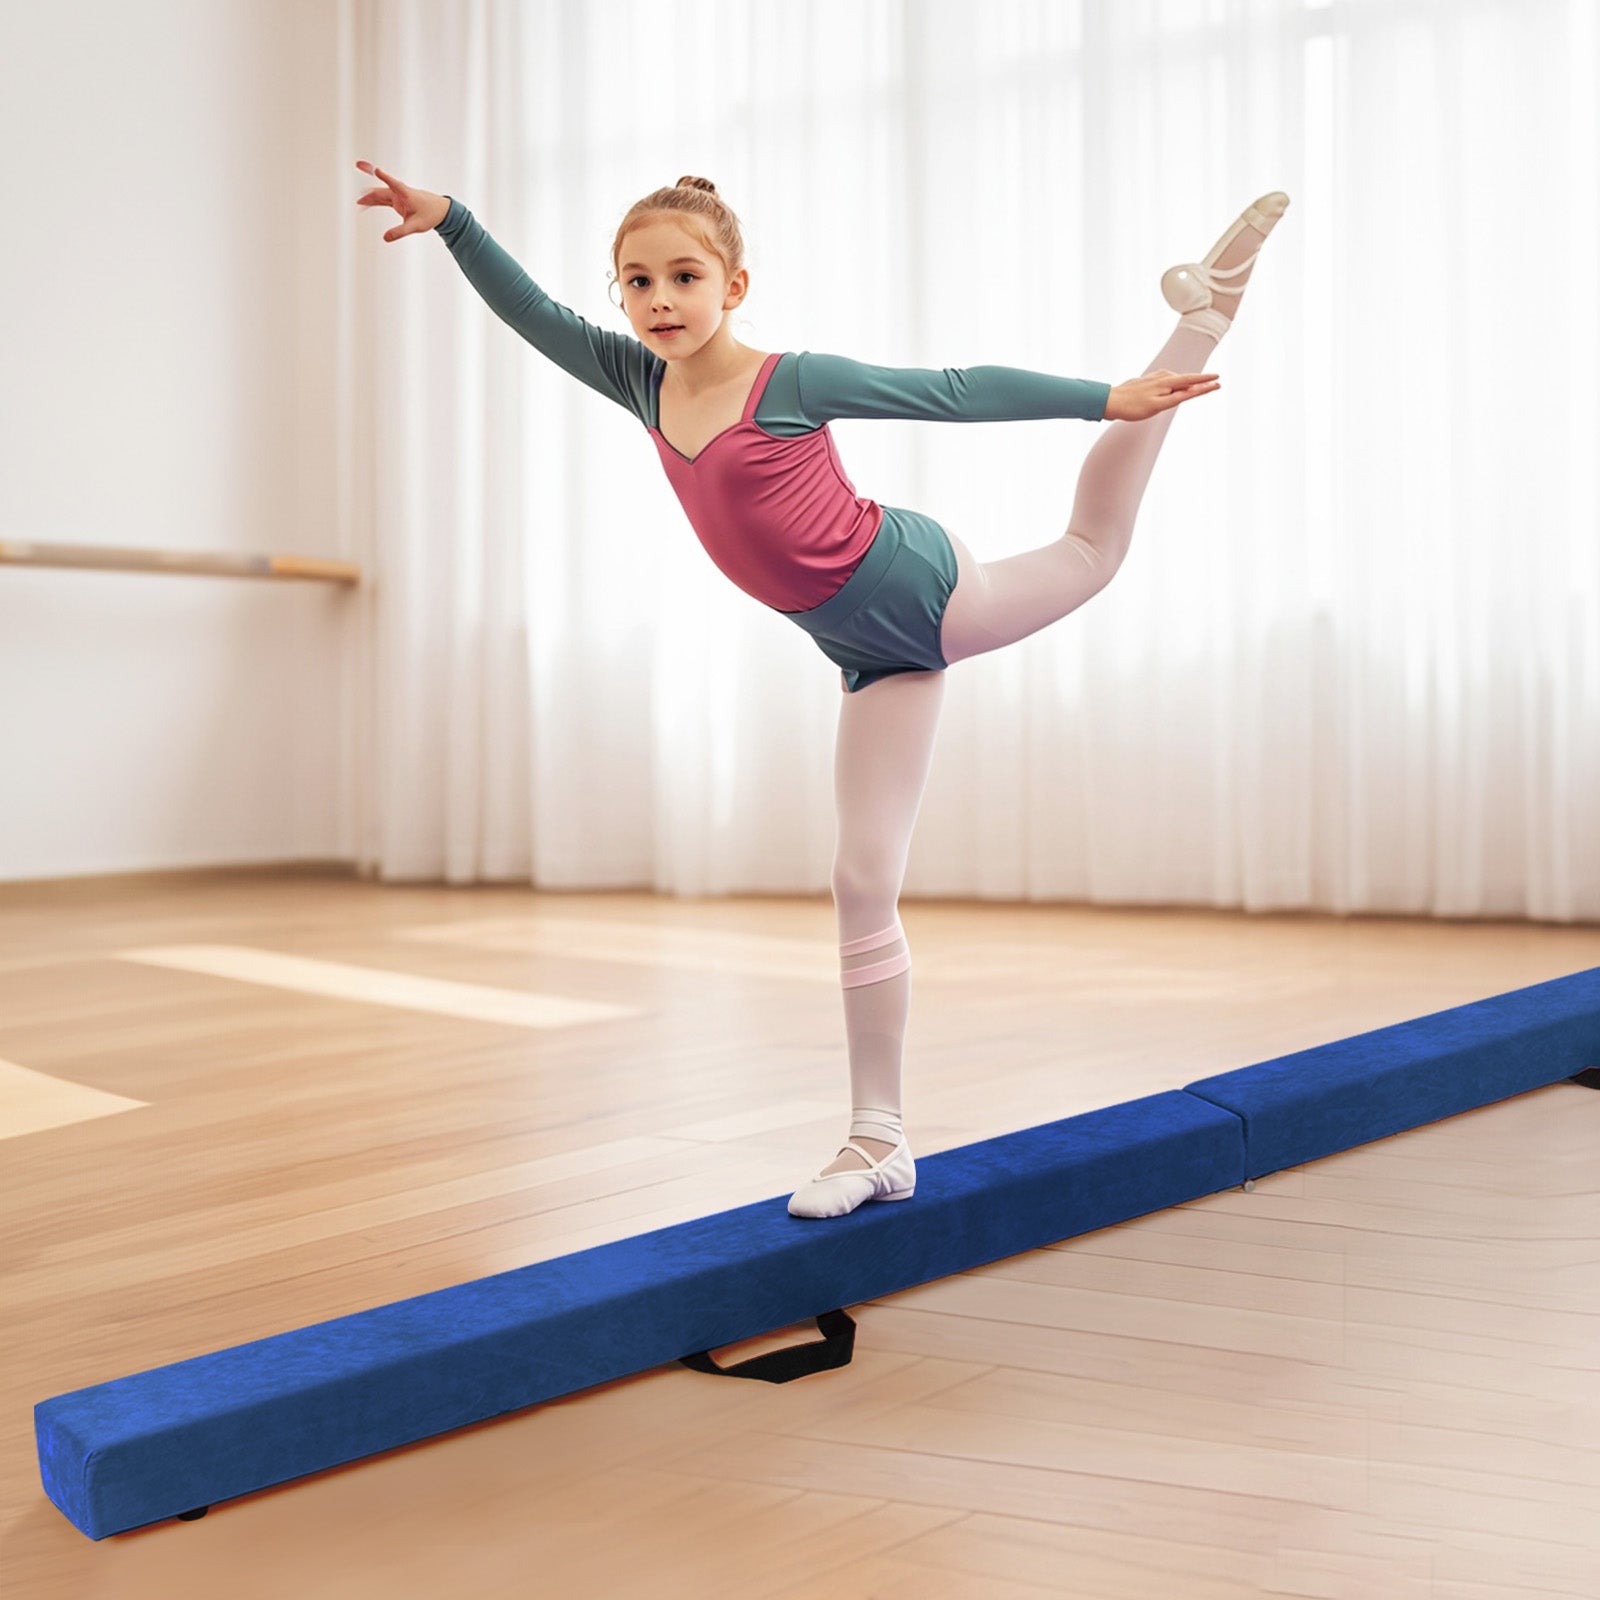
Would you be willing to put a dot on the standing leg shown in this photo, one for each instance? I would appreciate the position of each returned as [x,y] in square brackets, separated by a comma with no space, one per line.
[881,761]
[995,603]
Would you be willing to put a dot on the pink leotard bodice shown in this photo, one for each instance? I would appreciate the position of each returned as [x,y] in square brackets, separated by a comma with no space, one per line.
[779,516]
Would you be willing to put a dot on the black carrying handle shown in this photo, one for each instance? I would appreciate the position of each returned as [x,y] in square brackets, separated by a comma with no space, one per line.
[779,1366]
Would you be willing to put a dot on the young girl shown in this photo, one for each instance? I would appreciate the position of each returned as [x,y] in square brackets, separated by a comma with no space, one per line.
[889,595]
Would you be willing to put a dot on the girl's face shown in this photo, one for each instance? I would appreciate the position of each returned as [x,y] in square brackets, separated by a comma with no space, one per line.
[670,278]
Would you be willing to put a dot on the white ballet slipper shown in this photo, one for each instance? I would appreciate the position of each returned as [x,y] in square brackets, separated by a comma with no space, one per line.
[1188,287]
[836,1193]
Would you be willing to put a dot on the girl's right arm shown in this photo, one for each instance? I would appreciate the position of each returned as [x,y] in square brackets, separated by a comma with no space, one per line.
[610,363]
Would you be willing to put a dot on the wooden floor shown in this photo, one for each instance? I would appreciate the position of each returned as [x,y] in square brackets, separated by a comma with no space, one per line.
[233,1104]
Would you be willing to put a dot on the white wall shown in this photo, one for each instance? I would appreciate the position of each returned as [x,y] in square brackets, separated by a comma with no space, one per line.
[167,378]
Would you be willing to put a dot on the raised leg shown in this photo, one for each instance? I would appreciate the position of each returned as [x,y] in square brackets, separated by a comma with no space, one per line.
[995,603]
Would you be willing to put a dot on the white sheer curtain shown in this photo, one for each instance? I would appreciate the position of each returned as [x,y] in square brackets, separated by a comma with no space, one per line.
[1353,660]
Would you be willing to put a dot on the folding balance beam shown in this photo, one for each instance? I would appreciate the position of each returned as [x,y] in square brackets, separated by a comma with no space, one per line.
[174,1440]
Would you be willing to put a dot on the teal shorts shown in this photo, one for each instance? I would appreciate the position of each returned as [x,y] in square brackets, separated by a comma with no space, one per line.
[886,619]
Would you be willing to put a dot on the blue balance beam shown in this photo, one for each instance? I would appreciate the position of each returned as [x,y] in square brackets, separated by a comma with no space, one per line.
[173,1440]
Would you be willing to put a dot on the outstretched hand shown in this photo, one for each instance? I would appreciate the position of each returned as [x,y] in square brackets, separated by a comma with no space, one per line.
[419,209]
[1156,391]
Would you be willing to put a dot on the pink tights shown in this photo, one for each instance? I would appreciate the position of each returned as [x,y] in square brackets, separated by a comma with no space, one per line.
[886,731]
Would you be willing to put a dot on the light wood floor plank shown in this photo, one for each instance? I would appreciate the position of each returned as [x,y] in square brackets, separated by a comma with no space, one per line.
[342,981]
[31,1102]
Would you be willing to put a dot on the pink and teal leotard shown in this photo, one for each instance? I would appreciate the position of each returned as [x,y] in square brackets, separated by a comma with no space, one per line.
[768,497]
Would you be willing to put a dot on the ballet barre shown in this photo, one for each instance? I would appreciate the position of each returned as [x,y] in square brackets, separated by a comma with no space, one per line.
[216,564]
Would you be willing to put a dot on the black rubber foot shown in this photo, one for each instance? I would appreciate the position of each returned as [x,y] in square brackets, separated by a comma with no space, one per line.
[1589,1078]
[193,1516]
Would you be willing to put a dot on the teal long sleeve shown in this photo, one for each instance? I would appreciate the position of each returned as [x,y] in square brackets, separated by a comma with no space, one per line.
[613,364]
[837,386]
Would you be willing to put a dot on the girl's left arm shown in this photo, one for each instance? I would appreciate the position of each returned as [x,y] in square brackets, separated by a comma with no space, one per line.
[837,386]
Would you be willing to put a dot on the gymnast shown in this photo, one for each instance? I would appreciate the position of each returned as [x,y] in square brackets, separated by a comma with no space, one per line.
[889,595]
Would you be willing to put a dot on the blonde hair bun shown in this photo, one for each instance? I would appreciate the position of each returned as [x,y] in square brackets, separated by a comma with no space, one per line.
[696,206]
